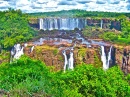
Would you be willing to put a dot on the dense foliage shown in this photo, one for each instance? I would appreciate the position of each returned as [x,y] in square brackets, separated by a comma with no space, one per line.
[111,35]
[14,28]
[28,77]
[78,13]
[123,37]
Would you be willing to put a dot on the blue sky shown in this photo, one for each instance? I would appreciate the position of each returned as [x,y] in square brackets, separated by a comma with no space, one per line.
[31,6]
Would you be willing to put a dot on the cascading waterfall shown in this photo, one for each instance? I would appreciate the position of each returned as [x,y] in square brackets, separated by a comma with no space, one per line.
[101,24]
[17,51]
[65,62]
[109,56]
[41,23]
[71,61]
[25,45]
[105,60]
[62,23]
[32,48]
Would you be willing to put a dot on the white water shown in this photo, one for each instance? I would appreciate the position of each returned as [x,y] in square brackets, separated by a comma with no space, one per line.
[106,62]
[101,24]
[109,56]
[65,62]
[103,58]
[62,23]
[41,23]
[32,49]
[25,45]
[17,51]
[71,61]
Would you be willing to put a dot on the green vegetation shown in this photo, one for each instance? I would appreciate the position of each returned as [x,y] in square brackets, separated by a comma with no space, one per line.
[119,37]
[28,77]
[14,28]
[124,36]
[78,13]
[116,38]
[92,32]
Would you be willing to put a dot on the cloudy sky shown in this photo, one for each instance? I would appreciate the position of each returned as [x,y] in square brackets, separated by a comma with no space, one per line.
[30,6]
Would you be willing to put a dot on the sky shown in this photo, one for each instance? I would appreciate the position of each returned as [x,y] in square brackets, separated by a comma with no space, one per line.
[31,6]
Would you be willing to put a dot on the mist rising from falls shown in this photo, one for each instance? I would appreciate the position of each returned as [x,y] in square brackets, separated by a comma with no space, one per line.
[105,59]
[62,23]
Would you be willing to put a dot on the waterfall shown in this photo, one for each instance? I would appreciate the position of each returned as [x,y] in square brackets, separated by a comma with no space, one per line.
[101,24]
[41,23]
[17,51]
[71,61]
[105,60]
[65,62]
[62,23]
[69,64]
[25,45]
[32,48]
[55,24]
[109,56]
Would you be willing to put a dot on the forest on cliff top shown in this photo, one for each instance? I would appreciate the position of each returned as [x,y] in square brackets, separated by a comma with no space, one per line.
[79,13]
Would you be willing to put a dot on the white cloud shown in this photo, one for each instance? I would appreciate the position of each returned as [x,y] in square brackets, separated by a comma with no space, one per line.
[114,1]
[4,5]
[101,2]
[56,5]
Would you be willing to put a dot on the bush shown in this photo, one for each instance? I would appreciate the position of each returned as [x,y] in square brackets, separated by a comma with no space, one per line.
[110,36]
[17,72]
[28,77]
[88,81]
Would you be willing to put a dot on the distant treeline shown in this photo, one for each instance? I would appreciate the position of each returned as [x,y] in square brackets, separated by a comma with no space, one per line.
[79,13]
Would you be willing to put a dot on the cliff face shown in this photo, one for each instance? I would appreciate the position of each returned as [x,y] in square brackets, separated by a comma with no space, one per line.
[119,57]
[106,23]
[52,56]
[115,25]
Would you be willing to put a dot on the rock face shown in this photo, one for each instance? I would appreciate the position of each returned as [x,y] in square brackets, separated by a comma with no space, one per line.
[49,55]
[119,57]
[116,25]
[71,23]
[53,56]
